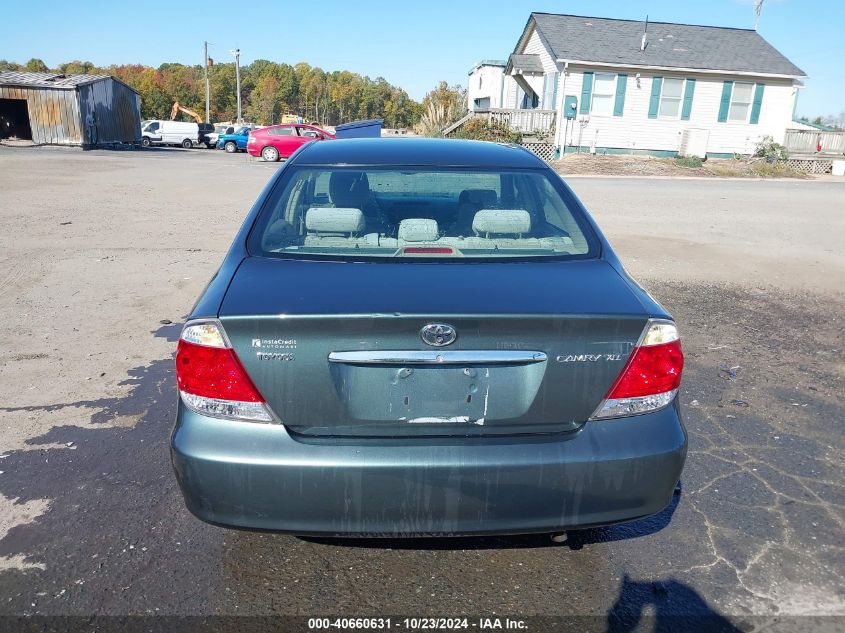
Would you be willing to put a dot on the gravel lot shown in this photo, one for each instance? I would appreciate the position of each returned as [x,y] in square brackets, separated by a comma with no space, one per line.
[103,253]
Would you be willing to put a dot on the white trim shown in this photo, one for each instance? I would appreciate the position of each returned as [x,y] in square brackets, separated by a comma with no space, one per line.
[612,94]
[561,96]
[581,62]
[750,102]
[677,117]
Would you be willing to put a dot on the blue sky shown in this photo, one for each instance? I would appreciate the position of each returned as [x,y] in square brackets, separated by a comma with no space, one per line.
[411,44]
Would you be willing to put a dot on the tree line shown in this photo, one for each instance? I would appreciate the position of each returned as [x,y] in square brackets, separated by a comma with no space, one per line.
[268,91]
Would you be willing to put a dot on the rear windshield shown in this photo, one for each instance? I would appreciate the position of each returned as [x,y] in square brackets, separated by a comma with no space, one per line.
[348,212]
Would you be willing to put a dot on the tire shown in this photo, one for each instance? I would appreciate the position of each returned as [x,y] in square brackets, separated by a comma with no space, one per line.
[186,144]
[145,141]
[231,147]
[270,154]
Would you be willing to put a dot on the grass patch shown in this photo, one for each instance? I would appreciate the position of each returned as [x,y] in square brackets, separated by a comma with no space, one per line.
[775,170]
[728,169]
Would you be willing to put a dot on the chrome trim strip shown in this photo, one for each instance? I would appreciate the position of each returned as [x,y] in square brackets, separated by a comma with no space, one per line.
[438,357]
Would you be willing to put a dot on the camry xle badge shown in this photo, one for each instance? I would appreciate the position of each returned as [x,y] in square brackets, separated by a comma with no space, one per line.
[438,334]
[586,358]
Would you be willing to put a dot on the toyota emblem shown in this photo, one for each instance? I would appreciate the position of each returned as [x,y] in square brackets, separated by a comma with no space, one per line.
[438,334]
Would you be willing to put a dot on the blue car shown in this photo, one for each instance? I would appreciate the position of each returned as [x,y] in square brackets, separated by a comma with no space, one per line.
[235,142]
[424,337]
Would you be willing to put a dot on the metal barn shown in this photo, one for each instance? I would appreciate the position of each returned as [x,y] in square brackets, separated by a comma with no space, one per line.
[55,109]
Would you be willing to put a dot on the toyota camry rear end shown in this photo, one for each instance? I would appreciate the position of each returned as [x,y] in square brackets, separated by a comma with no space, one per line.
[416,337]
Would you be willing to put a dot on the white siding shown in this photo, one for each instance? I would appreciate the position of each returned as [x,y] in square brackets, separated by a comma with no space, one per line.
[634,130]
[535,46]
[512,93]
[485,82]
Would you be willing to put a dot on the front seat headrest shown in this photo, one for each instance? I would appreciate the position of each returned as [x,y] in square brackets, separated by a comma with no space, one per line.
[349,188]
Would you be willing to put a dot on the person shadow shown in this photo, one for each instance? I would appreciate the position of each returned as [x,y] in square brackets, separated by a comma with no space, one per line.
[675,608]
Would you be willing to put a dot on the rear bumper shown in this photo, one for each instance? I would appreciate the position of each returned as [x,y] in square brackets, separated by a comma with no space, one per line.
[259,476]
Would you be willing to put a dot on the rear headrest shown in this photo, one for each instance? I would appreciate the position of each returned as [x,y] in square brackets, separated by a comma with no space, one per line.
[501,222]
[334,220]
[482,198]
[418,230]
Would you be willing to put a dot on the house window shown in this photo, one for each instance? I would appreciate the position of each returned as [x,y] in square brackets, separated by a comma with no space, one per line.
[740,102]
[670,98]
[604,92]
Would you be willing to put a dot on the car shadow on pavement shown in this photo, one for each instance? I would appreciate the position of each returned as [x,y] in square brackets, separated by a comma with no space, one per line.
[110,522]
[664,606]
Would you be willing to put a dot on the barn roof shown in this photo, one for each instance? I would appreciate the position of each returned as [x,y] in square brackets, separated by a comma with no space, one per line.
[49,80]
[669,45]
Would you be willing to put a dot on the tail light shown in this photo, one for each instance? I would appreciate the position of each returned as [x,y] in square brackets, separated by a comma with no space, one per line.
[650,378]
[210,376]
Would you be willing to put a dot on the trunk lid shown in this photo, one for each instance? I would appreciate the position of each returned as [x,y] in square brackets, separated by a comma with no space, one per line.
[336,347]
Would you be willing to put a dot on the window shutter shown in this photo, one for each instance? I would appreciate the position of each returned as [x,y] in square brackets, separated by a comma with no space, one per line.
[758,101]
[554,91]
[654,103]
[619,104]
[689,90]
[725,104]
[586,93]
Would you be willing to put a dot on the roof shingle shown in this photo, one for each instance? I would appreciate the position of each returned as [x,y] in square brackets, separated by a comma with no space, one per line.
[526,63]
[612,41]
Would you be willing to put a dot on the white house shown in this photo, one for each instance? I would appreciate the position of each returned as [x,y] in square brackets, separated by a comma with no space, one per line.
[623,86]
[486,85]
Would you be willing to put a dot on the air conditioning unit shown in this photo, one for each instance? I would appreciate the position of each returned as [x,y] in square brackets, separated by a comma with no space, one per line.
[694,142]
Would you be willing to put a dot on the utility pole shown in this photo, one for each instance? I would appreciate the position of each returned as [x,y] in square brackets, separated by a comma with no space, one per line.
[237,55]
[207,107]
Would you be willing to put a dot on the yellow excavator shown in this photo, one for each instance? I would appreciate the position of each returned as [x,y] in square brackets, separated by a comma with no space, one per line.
[177,108]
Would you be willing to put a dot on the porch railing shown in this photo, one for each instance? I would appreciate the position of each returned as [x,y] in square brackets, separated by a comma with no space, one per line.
[525,121]
[807,142]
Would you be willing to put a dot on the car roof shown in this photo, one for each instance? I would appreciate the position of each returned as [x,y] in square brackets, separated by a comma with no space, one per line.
[267,127]
[418,152]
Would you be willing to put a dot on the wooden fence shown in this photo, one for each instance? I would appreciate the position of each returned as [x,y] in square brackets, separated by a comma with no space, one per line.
[809,142]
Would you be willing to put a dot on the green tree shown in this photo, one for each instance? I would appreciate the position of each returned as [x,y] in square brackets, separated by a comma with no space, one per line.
[221,79]
[441,107]
[36,66]
[263,107]
[182,84]
[78,68]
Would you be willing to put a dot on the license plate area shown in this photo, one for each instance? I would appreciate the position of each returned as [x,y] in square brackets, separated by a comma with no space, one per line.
[437,394]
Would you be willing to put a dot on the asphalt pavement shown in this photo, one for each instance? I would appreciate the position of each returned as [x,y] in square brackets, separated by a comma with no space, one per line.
[102,255]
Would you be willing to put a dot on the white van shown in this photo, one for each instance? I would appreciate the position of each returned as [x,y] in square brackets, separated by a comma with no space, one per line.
[170,133]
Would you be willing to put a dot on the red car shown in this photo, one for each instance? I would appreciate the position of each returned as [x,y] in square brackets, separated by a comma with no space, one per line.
[280,141]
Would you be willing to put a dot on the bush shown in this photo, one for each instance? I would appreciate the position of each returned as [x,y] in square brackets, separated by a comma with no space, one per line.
[689,161]
[771,151]
[479,129]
